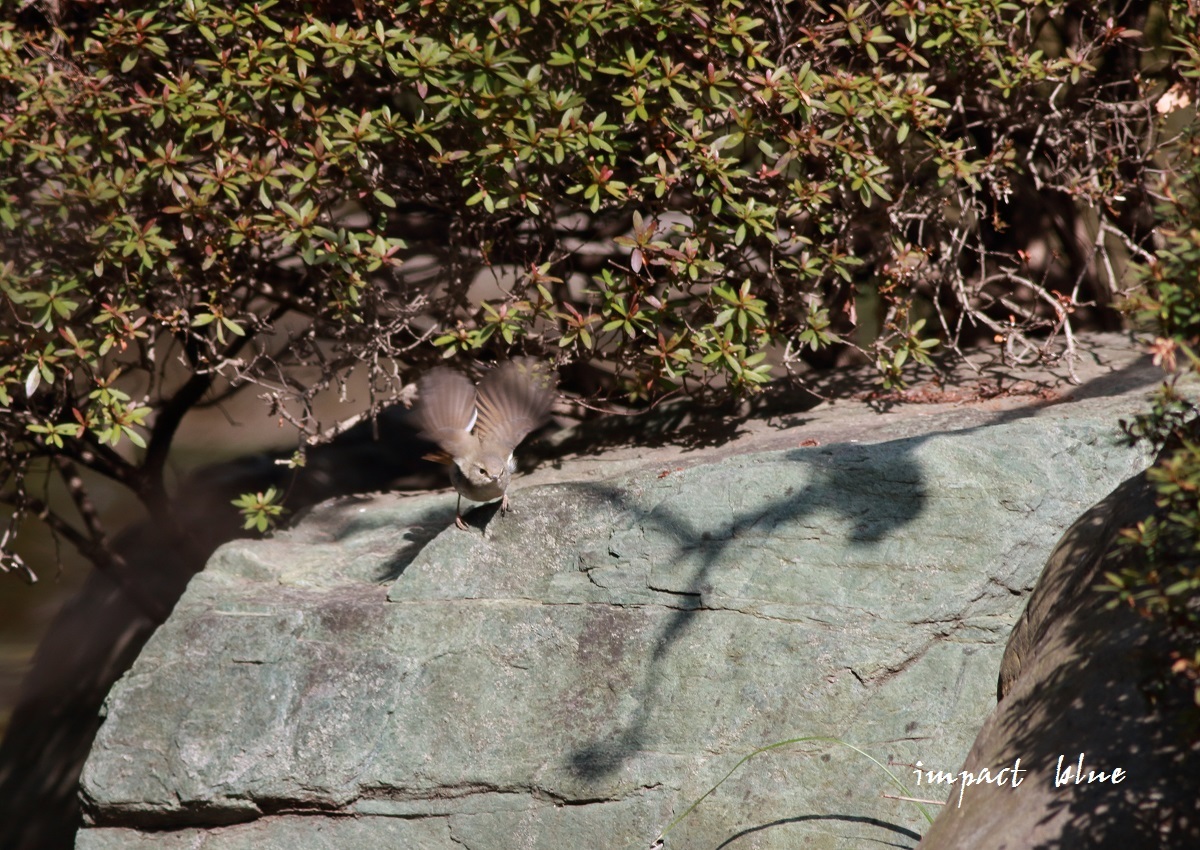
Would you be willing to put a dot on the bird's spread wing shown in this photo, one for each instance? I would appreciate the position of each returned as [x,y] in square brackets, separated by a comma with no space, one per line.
[514,398]
[446,410]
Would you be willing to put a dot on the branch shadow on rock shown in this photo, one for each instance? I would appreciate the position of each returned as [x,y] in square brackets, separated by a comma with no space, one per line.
[858,819]
[896,498]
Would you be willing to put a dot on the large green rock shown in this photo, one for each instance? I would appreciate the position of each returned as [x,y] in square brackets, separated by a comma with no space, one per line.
[579,672]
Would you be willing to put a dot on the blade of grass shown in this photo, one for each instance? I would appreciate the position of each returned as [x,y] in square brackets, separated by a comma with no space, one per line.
[820,739]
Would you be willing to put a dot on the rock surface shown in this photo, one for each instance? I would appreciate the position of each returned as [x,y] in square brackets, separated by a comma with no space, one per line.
[582,670]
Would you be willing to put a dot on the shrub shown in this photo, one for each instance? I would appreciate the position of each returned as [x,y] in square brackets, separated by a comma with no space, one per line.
[688,195]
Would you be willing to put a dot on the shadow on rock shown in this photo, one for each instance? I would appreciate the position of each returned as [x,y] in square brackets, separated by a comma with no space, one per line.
[888,491]
[858,819]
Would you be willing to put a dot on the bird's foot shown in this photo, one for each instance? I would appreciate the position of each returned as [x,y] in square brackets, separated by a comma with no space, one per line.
[504,504]
[461,523]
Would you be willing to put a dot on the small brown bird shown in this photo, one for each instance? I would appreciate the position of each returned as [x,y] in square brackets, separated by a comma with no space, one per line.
[478,430]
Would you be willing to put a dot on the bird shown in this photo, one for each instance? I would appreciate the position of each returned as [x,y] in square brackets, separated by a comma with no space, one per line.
[477,429]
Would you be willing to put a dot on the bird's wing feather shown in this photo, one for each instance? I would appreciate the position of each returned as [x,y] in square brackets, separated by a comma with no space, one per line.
[446,410]
[514,399]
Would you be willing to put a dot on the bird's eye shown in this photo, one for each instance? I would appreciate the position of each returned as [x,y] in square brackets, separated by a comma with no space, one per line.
[482,471]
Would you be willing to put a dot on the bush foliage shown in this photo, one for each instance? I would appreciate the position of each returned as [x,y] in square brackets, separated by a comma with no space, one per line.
[1165,585]
[680,195]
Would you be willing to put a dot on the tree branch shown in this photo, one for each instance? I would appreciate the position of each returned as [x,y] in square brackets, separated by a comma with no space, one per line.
[97,552]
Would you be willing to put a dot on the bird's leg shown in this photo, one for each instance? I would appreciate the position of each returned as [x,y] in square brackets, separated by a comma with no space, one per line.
[458,517]
[504,504]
